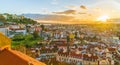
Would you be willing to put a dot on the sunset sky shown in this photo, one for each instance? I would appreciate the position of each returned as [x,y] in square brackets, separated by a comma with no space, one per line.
[80,9]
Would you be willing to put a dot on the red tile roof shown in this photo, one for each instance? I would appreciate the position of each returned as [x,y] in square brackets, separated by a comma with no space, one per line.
[72,54]
[80,49]
[12,57]
[90,57]
[16,28]
[111,49]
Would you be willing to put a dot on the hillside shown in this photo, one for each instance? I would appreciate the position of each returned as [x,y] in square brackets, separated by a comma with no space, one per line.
[16,19]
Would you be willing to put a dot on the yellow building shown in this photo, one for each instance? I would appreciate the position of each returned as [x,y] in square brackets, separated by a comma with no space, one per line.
[71,36]
[5,42]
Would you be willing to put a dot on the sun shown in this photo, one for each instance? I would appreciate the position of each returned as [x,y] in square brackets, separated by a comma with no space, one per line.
[103,18]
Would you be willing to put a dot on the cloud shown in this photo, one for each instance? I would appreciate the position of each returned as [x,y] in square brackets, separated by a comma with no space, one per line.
[55,2]
[44,10]
[89,14]
[56,18]
[83,7]
[82,13]
[63,19]
[66,12]
[71,7]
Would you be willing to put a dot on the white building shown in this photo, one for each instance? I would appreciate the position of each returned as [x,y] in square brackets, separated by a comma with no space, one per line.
[16,29]
[4,30]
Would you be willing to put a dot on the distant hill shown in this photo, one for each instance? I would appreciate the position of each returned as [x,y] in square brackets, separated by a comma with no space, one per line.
[34,16]
[45,16]
[16,18]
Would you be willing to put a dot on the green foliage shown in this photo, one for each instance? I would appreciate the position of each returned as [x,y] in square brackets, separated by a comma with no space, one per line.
[25,40]
[18,37]
[35,34]
[43,27]
[17,19]
[23,21]
[29,37]
[2,19]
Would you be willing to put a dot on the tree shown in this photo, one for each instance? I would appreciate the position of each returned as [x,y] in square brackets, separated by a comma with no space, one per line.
[2,18]
[28,37]
[43,27]
[18,37]
[19,19]
[35,34]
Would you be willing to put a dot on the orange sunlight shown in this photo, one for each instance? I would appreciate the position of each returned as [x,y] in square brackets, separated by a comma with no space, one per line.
[103,18]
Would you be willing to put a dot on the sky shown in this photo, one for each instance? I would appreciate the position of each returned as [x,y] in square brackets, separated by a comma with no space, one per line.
[39,6]
[76,8]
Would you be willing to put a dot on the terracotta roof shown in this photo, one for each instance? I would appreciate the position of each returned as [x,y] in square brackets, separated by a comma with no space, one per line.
[63,53]
[111,49]
[73,54]
[12,57]
[91,57]
[16,28]
[80,49]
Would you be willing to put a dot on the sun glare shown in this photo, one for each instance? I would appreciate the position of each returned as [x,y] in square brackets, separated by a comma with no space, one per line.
[103,18]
